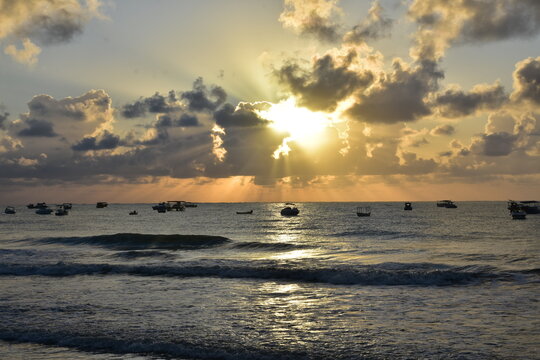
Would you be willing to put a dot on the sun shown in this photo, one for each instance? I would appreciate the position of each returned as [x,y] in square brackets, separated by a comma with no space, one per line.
[302,124]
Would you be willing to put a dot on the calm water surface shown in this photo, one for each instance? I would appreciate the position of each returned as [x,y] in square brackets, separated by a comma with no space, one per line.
[431,283]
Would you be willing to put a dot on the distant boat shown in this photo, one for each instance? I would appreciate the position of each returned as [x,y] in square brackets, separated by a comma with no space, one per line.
[101,204]
[134,212]
[363,211]
[67,206]
[408,206]
[61,211]
[190,204]
[44,211]
[529,206]
[244,212]
[161,207]
[516,210]
[9,210]
[449,204]
[289,211]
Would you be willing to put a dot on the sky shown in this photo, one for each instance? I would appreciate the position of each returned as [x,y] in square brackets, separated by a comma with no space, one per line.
[269,100]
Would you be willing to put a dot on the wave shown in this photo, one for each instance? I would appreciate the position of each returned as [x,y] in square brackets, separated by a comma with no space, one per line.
[387,274]
[268,246]
[137,254]
[134,241]
[97,343]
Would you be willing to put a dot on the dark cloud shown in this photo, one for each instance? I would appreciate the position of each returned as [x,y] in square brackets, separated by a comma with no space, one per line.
[156,104]
[527,81]
[105,141]
[202,99]
[325,84]
[442,23]
[3,118]
[399,96]
[456,103]
[183,120]
[374,27]
[227,116]
[37,128]
[443,130]
[497,144]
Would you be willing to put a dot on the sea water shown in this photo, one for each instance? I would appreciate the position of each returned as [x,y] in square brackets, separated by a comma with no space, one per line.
[431,283]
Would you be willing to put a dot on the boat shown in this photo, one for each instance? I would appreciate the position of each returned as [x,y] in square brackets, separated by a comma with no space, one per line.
[67,206]
[101,204]
[529,206]
[61,211]
[190,204]
[44,211]
[134,212]
[176,205]
[9,210]
[518,214]
[408,206]
[31,206]
[363,211]
[289,211]
[161,207]
[244,212]
[449,204]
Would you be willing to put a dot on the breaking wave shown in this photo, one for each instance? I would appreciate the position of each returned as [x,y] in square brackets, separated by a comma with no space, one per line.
[387,274]
[129,241]
[268,246]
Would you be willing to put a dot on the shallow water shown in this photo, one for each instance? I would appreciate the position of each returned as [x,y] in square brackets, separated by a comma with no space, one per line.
[429,283]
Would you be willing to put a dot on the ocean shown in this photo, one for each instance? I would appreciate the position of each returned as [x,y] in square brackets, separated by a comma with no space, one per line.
[207,283]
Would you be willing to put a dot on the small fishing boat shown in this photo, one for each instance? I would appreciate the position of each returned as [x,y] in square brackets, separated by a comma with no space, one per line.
[44,211]
[363,211]
[67,206]
[449,204]
[101,204]
[408,206]
[244,212]
[61,211]
[9,210]
[518,214]
[161,207]
[529,206]
[134,212]
[289,211]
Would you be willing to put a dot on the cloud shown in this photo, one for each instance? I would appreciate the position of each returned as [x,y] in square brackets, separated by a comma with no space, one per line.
[178,120]
[37,128]
[443,130]
[328,81]
[313,18]
[398,96]
[202,99]
[527,81]
[105,141]
[44,22]
[156,103]
[3,118]
[243,115]
[456,103]
[443,23]
[27,55]
[374,27]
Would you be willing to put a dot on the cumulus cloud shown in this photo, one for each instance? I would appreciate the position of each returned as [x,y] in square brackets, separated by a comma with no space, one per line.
[330,80]
[374,27]
[456,103]
[527,81]
[37,128]
[398,96]
[443,130]
[442,23]
[104,141]
[243,115]
[42,22]
[156,103]
[203,99]
[312,17]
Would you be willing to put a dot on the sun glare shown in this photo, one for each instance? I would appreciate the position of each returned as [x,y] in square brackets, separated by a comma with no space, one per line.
[303,125]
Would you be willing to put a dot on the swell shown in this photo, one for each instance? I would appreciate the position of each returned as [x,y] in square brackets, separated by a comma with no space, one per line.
[117,345]
[135,241]
[391,274]
[254,245]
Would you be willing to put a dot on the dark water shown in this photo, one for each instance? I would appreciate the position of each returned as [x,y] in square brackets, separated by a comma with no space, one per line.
[430,283]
